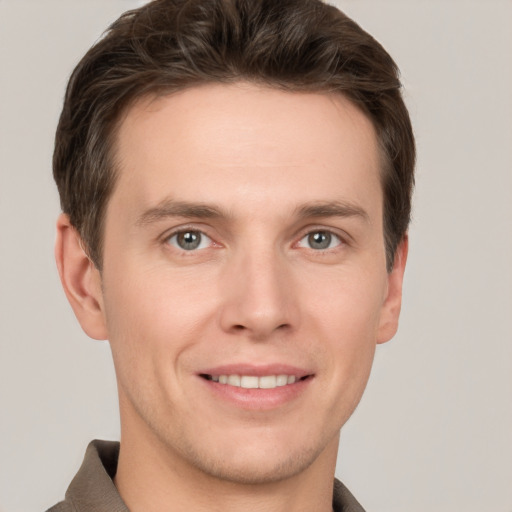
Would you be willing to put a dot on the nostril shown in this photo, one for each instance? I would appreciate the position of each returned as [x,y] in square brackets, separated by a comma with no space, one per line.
[241,328]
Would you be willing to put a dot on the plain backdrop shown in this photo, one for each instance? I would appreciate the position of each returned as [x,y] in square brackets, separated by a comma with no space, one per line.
[434,430]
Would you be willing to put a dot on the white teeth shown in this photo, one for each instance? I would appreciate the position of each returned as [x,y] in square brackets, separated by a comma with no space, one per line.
[282,380]
[234,380]
[268,382]
[254,382]
[249,382]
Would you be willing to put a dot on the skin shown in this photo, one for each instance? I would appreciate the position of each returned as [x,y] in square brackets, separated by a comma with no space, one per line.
[256,292]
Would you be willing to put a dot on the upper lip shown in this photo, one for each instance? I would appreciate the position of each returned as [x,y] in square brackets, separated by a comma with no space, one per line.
[257,370]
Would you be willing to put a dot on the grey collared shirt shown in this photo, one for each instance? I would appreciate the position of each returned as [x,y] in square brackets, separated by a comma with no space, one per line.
[92,489]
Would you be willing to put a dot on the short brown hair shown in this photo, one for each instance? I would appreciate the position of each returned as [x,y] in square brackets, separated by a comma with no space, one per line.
[168,45]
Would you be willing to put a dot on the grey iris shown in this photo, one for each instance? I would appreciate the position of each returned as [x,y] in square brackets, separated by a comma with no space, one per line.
[319,240]
[189,240]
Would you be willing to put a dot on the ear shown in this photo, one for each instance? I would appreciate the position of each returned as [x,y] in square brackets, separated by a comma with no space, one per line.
[388,324]
[80,279]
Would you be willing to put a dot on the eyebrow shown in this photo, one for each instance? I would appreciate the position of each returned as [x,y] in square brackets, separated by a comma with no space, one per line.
[332,209]
[170,208]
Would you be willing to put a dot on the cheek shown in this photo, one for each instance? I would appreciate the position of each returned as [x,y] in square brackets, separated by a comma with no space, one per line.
[348,303]
[347,314]
[352,342]
[154,315]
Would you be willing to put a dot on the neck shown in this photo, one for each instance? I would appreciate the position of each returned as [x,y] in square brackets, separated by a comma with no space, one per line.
[152,478]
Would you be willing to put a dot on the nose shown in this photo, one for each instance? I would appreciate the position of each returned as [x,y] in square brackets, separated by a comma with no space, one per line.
[258,296]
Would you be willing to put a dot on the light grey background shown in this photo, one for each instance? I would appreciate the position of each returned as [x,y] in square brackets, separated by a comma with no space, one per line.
[434,430]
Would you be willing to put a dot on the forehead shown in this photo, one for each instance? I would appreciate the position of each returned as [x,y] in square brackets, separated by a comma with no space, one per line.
[242,142]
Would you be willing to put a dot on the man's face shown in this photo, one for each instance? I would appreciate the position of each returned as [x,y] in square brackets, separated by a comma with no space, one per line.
[244,243]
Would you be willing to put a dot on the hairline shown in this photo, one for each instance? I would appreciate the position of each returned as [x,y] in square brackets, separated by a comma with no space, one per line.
[114,164]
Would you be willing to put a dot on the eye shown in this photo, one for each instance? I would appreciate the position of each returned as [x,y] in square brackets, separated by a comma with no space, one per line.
[189,240]
[320,240]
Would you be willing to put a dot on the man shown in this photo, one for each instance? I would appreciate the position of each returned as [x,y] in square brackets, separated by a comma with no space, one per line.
[235,178]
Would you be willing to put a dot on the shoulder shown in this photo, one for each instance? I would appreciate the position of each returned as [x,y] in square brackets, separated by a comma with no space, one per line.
[343,500]
[92,488]
[63,506]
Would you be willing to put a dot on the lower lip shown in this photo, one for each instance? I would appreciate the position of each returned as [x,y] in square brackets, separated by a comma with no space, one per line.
[257,398]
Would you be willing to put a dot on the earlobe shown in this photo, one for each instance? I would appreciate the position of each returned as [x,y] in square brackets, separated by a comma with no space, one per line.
[390,313]
[80,279]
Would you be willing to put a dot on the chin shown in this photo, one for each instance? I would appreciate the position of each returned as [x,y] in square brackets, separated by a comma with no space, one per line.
[263,459]
[253,469]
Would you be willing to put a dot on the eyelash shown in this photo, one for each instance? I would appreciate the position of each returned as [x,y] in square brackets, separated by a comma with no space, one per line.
[327,233]
[184,231]
[340,241]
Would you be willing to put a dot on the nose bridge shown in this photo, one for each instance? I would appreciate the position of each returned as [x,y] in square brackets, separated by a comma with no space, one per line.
[258,292]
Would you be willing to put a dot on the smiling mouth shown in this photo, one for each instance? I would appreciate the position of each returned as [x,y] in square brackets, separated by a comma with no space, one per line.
[254,381]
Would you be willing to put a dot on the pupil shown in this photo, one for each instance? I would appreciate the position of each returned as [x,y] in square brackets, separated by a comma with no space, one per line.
[319,240]
[189,240]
